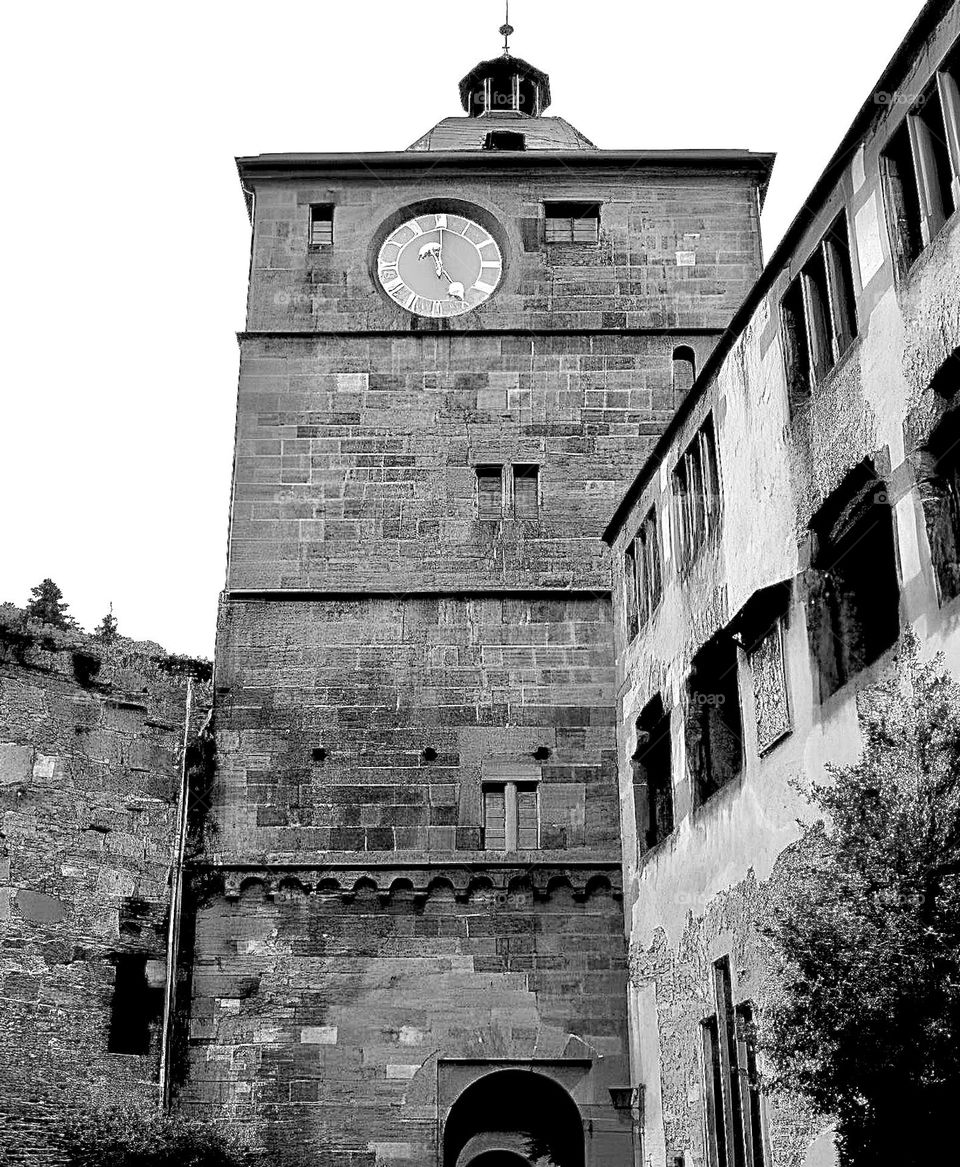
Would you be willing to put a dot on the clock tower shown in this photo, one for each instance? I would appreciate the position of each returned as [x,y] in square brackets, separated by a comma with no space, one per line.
[409,937]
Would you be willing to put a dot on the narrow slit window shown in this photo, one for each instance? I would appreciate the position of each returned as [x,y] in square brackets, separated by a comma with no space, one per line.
[572,222]
[321,225]
[631,609]
[526,491]
[490,493]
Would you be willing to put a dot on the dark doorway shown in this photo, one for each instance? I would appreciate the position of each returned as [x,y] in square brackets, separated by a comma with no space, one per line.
[527,1110]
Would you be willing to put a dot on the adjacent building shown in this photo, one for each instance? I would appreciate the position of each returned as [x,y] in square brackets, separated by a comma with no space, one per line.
[799,513]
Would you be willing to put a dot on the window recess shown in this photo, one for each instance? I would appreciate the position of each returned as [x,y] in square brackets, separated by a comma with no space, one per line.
[939,483]
[818,313]
[572,222]
[321,225]
[714,728]
[853,587]
[696,498]
[489,493]
[652,777]
[921,168]
[511,815]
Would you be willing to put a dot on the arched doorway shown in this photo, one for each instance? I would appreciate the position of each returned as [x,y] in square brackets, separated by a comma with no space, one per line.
[513,1118]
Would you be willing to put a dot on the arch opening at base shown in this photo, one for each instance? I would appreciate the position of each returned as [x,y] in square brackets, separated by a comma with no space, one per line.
[513,1118]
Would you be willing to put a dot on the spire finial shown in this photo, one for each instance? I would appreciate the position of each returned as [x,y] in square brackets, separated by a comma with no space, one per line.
[506,31]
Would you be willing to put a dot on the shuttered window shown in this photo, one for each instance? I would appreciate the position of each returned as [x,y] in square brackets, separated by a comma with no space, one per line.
[528,825]
[494,818]
[696,495]
[526,491]
[321,225]
[511,816]
[490,492]
[572,222]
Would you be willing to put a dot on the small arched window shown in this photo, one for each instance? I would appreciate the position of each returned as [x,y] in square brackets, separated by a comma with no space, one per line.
[684,368]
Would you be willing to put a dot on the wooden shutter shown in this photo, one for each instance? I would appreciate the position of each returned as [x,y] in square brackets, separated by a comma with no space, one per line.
[526,491]
[490,492]
[494,819]
[321,226]
[528,825]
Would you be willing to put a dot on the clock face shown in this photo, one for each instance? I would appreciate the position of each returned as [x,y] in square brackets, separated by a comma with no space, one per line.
[440,265]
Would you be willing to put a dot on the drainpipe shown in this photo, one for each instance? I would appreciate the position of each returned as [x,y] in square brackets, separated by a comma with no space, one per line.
[176,905]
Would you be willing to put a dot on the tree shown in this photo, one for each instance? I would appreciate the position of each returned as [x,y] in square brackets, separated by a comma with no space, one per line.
[132,1136]
[46,605]
[867,927]
[106,630]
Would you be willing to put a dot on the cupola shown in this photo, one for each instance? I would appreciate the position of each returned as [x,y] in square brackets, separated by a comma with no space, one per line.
[505,84]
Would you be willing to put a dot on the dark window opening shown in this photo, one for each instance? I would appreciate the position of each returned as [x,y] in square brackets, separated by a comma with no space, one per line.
[749,1085]
[652,777]
[714,726]
[796,351]
[921,169]
[939,482]
[511,816]
[490,492]
[572,222]
[505,140]
[321,225]
[631,609]
[713,1094]
[696,495]
[648,568]
[818,313]
[526,491]
[136,1006]
[902,198]
[854,591]
[684,369]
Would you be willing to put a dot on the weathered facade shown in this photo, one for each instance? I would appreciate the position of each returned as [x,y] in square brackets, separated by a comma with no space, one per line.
[91,755]
[411,946]
[797,515]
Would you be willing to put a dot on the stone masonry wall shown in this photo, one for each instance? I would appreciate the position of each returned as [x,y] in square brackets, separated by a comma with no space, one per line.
[323,1010]
[375,682]
[90,747]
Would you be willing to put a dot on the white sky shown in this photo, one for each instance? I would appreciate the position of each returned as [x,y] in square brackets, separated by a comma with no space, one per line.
[126,240]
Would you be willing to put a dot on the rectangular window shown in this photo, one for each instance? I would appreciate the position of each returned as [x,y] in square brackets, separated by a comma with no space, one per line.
[903,200]
[696,495]
[494,818]
[652,778]
[713,1094]
[714,728]
[631,610]
[489,493]
[854,592]
[136,1006]
[526,491]
[511,816]
[648,568]
[321,225]
[732,1100]
[505,140]
[572,222]
[921,168]
[939,482]
[818,313]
